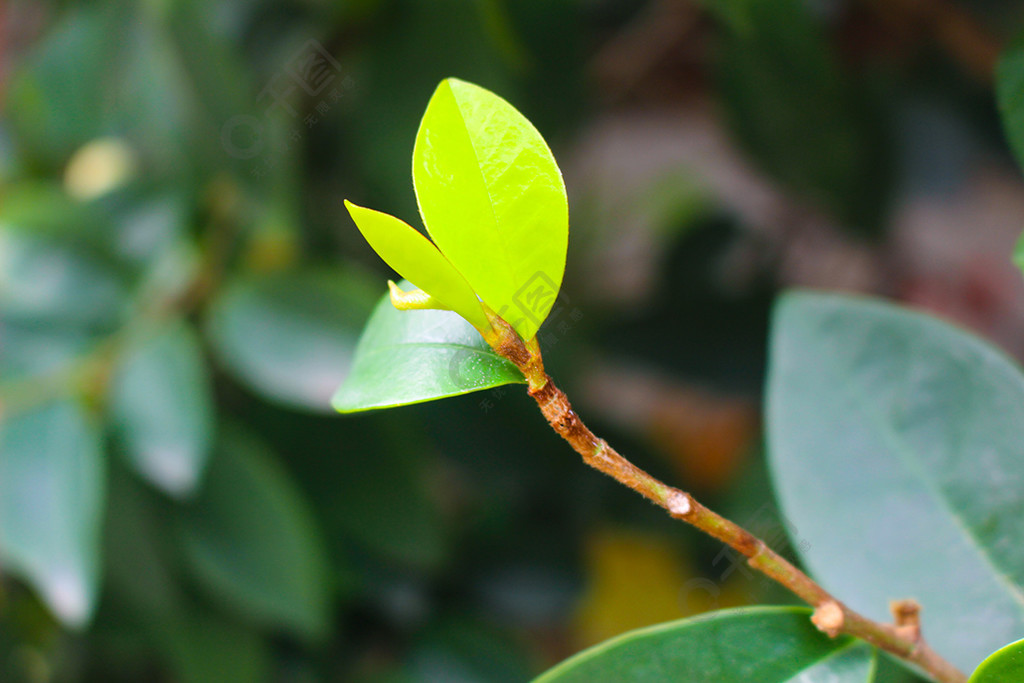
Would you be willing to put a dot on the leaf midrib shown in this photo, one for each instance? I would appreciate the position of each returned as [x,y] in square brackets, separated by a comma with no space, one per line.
[507,261]
[910,460]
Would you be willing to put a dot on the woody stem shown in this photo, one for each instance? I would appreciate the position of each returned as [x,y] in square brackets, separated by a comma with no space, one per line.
[830,616]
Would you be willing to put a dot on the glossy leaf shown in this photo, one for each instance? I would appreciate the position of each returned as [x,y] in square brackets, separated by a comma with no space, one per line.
[416,259]
[763,644]
[51,506]
[162,409]
[291,336]
[252,541]
[493,200]
[893,670]
[897,448]
[633,580]
[1002,666]
[409,357]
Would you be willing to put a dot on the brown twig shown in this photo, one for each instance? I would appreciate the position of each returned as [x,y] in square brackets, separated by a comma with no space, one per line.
[830,616]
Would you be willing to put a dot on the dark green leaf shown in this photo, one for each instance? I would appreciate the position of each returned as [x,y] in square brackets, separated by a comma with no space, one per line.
[197,645]
[897,450]
[468,650]
[162,408]
[138,552]
[763,644]
[51,506]
[892,670]
[291,336]
[382,500]
[205,648]
[1010,95]
[409,357]
[57,100]
[803,120]
[252,541]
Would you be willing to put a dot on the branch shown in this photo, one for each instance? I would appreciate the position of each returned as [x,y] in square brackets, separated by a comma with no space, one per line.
[831,616]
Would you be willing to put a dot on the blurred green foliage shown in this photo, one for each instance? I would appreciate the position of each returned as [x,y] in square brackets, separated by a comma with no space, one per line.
[181,292]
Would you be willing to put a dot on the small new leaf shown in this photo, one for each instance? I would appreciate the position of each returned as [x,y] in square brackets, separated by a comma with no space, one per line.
[414,257]
[413,300]
[493,200]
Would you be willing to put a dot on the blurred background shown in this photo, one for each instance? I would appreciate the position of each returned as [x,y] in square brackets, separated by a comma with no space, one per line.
[181,291]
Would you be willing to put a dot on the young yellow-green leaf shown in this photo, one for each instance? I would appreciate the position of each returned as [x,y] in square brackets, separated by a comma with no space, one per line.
[407,357]
[417,260]
[493,200]
[1003,665]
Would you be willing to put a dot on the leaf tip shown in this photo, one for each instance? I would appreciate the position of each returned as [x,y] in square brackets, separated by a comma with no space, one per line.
[451,81]
[354,209]
[70,597]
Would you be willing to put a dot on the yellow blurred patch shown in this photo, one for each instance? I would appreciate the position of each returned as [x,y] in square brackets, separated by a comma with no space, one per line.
[272,247]
[637,580]
[99,167]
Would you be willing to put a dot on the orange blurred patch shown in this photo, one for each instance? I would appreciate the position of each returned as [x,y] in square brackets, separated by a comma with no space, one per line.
[707,436]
